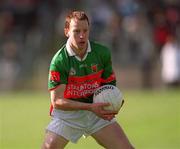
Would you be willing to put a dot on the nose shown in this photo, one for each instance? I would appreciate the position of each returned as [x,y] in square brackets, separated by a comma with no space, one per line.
[82,35]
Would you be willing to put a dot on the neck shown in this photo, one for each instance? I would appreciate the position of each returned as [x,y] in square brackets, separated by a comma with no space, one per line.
[79,52]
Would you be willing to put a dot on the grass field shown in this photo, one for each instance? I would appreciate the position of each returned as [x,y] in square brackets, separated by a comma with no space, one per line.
[151,119]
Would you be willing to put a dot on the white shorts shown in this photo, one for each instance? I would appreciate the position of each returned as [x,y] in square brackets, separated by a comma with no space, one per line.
[73,124]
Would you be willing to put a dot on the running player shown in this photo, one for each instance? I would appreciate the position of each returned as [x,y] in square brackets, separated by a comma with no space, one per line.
[77,69]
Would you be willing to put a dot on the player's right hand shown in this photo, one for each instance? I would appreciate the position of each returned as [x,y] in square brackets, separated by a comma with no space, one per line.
[98,109]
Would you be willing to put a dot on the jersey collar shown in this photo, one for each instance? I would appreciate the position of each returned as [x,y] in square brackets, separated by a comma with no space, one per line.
[71,52]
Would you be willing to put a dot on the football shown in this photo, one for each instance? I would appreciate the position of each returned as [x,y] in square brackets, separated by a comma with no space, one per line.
[110,94]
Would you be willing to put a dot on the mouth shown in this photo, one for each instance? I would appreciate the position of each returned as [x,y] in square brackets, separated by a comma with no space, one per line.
[82,42]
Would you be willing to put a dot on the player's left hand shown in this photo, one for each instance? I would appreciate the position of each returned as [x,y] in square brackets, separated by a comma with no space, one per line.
[98,109]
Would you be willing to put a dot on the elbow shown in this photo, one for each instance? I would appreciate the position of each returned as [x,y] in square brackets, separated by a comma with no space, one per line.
[54,104]
[58,104]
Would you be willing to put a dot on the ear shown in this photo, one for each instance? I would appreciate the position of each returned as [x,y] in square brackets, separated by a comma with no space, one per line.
[66,32]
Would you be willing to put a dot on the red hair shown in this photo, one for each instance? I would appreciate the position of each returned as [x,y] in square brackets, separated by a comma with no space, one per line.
[79,15]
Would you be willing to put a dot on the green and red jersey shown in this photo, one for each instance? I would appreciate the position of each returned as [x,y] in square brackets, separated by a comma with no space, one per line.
[81,77]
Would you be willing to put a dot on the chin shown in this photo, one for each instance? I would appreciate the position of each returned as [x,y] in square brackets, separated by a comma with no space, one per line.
[81,47]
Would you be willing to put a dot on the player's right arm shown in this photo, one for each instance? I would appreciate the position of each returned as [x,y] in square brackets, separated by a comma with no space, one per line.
[68,105]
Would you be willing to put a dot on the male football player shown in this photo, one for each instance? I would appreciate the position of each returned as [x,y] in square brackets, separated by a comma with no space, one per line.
[78,69]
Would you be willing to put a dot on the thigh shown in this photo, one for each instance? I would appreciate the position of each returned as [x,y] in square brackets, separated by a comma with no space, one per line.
[54,141]
[112,137]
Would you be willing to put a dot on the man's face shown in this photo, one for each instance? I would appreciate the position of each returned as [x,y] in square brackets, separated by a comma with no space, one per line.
[78,34]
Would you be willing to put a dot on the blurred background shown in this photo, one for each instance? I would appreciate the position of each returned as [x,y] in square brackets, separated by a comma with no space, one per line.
[143,36]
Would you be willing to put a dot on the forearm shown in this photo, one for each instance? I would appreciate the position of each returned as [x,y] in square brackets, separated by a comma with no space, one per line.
[59,102]
[68,105]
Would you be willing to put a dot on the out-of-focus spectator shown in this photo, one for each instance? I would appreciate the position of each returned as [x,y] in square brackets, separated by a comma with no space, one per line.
[146,47]
[170,59]
[113,37]
[25,13]
[141,46]
[173,16]
[161,29]
[101,13]
[6,24]
[127,7]
[9,66]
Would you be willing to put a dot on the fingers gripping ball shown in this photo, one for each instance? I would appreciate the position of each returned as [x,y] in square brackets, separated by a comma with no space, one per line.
[110,94]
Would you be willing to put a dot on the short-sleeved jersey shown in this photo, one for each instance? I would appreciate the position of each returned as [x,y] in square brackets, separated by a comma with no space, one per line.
[81,77]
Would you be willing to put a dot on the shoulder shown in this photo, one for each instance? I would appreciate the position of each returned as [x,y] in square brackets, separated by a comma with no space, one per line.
[99,48]
[60,55]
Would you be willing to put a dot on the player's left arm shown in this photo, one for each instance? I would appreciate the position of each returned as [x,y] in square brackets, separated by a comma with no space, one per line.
[108,76]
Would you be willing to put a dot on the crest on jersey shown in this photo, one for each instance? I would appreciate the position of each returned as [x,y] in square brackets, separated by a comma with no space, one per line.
[94,67]
[72,71]
[55,76]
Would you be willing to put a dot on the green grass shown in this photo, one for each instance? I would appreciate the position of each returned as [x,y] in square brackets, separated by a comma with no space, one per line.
[151,119]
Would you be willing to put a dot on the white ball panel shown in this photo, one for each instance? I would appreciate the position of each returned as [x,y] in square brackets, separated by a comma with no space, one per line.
[111,94]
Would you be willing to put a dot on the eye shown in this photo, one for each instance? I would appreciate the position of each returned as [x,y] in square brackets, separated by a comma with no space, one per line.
[77,31]
[85,30]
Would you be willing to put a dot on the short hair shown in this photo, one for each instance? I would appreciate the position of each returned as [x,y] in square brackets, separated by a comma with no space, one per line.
[79,15]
